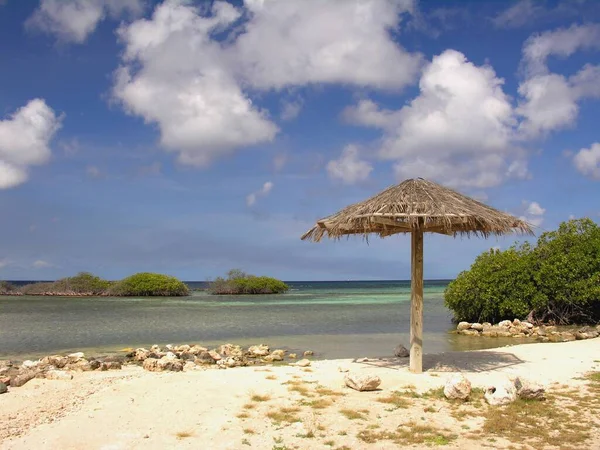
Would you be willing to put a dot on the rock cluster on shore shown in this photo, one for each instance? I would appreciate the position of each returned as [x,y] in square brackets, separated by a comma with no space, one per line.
[505,391]
[524,329]
[156,359]
[54,367]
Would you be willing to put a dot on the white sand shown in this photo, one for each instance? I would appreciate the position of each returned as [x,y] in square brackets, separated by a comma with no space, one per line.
[134,409]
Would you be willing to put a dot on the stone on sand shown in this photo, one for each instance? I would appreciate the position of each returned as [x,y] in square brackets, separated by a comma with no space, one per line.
[362,382]
[457,387]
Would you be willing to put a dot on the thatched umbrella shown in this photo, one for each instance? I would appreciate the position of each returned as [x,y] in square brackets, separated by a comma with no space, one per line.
[416,206]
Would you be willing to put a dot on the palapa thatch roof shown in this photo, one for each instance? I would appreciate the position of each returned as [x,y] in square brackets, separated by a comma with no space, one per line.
[417,204]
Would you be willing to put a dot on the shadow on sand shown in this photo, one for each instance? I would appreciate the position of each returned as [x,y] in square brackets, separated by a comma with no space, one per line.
[452,361]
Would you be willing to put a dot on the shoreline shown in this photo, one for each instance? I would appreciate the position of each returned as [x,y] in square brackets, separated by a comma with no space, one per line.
[133,408]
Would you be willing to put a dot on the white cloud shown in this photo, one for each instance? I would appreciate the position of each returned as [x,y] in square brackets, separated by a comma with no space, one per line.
[41,264]
[587,161]
[297,42]
[519,14]
[535,209]
[534,213]
[75,20]
[24,141]
[175,74]
[459,129]
[549,101]
[291,108]
[262,192]
[562,42]
[348,167]
[525,13]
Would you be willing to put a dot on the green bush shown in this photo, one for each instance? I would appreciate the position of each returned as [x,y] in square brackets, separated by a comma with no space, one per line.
[239,283]
[82,283]
[147,284]
[557,281]
[567,271]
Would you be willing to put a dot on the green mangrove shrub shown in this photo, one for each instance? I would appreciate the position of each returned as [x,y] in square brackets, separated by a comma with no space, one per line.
[146,284]
[239,283]
[556,281]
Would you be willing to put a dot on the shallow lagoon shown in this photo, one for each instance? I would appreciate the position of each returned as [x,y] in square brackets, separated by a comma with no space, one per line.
[335,319]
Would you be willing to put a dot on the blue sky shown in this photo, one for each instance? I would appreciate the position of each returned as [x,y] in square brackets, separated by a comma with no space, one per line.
[193,137]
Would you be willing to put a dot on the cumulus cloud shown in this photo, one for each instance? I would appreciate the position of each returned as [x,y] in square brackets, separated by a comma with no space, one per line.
[175,74]
[75,20]
[24,141]
[298,42]
[262,192]
[41,264]
[348,168]
[562,42]
[587,161]
[534,213]
[458,130]
[549,101]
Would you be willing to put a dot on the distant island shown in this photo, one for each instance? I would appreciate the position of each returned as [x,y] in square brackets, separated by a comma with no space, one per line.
[144,284]
[240,283]
[85,284]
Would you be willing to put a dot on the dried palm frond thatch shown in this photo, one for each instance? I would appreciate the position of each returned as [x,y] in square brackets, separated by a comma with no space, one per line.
[417,204]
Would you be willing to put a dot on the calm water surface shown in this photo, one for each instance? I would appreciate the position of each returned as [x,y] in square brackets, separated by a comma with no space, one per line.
[335,319]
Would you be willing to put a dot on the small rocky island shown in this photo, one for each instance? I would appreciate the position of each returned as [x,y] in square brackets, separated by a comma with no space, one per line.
[240,283]
[85,284]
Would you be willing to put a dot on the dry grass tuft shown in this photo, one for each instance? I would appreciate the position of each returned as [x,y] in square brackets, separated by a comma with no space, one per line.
[354,414]
[320,403]
[322,390]
[260,398]
[397,399]
[285,414]
[560,421]
[184,434]
[409,434]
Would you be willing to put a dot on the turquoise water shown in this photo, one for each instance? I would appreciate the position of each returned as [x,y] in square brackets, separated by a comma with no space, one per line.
[335,319]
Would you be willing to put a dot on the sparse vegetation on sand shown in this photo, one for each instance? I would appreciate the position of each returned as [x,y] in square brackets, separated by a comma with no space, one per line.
[564,420]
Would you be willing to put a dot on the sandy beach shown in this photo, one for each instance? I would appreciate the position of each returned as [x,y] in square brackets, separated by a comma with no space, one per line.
[285,407]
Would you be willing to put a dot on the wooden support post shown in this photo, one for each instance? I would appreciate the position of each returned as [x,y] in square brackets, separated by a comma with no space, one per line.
[416,301]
